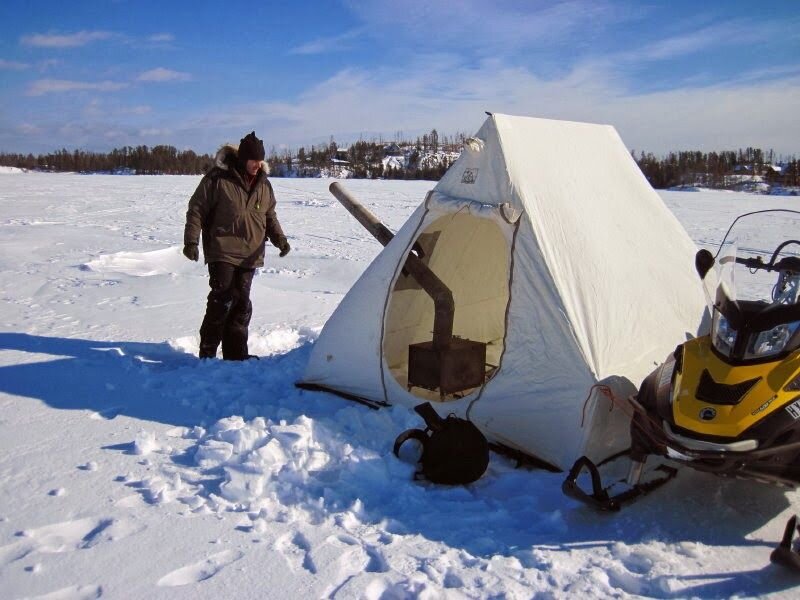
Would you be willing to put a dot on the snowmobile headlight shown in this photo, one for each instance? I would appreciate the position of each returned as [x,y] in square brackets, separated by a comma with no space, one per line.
[723,336]
[772,341]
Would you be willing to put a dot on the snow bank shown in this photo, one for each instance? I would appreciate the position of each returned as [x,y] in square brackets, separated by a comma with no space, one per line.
[140,264]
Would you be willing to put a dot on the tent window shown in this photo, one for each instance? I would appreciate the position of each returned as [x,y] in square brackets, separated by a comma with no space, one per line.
[471,255]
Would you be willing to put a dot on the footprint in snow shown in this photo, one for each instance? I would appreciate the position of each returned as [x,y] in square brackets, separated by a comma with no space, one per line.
[637,563]
[346,539]
[379,589]
[67,537]
[622,579]
[201,570]
[353,559]
[377,562]
[296,549]
[73,592]
[452,580]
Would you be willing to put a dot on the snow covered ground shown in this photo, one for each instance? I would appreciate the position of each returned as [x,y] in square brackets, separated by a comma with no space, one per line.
[128,469]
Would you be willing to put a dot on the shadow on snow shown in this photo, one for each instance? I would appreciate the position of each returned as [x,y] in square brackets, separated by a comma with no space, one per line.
[508,512]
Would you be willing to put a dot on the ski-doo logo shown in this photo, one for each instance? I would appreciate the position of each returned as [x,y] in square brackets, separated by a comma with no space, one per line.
[794,409]
[708,413]
[764,406]
[470,176]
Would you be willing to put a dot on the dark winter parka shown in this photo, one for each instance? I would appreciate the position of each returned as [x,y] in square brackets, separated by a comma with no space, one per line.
[234,222]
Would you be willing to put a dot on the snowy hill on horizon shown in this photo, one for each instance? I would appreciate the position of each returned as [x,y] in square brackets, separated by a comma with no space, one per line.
[130,469]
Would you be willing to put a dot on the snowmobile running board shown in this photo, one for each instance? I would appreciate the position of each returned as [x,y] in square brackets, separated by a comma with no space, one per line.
[599,498]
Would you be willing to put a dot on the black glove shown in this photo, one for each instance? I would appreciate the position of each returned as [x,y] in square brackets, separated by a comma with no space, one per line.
[191,252]
[284,248]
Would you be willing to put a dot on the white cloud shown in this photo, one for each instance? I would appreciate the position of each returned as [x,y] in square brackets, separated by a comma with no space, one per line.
[453,100]
[726,33]
[12,65]
[41,87]
[550,36]
[161,38]
[29,129]
[49,63]
[162,75]
[94,108]
[116,136]
[152,132]
[102,108]
[711,118]
[489,26]
[142,109]
[65,40]
[439,90]
[327,44]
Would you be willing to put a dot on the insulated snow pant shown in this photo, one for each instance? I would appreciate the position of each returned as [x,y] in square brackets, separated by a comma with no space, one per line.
[228,312]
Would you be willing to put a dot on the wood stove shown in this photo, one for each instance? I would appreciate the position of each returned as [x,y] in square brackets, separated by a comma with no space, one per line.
[459,366]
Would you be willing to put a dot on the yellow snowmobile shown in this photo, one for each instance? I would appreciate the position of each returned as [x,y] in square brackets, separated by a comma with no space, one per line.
[726,403]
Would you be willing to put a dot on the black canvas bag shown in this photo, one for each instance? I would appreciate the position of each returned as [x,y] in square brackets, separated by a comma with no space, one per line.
[454,451]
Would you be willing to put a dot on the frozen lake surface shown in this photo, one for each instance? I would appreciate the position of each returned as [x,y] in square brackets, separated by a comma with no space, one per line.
[129,469]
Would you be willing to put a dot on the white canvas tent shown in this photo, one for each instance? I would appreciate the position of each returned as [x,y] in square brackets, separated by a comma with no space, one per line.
[561,257]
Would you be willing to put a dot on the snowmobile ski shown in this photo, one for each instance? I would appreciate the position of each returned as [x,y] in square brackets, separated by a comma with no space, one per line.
[599,498]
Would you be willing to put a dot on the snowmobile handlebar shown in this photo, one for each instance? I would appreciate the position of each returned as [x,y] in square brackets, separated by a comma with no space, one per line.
[754,262]
[704,261]
[787,263]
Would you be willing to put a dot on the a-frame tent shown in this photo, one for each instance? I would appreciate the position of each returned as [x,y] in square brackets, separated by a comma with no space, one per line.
[561,258]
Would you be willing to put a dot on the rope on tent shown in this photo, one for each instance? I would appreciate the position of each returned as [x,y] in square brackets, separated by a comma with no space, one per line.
[606,391]
[654,432]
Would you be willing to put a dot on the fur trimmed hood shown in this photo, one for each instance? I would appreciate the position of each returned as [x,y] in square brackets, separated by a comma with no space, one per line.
[226,156]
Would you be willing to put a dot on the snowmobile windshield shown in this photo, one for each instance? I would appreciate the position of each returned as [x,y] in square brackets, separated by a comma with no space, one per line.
[753,289]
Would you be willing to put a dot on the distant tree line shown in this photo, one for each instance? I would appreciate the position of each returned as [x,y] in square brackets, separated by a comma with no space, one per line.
[426,157]
[717,169]
[142,160]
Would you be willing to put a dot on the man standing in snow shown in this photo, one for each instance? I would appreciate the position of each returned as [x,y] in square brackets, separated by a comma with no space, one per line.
[234,208]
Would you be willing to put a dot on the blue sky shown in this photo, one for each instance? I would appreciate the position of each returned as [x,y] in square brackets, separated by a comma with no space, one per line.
[668,75]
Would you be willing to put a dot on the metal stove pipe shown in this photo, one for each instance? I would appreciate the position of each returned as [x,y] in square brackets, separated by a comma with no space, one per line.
[444,306]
